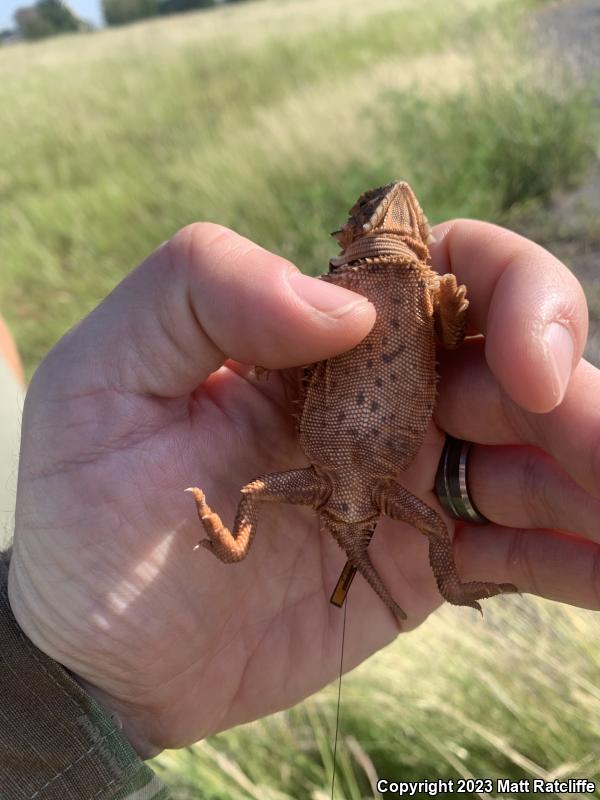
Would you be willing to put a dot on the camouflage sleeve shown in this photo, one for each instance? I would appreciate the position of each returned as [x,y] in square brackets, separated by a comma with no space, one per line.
[56,741]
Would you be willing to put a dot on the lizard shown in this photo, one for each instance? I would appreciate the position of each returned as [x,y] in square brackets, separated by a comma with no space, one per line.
[363,414]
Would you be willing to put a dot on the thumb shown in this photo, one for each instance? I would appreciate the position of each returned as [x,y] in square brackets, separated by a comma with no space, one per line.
[206,295]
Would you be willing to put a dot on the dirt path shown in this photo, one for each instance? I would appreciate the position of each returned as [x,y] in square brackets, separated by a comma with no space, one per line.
[570,226]
[573,28]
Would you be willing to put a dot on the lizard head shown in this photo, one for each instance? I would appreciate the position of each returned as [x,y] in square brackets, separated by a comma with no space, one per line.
[391,209]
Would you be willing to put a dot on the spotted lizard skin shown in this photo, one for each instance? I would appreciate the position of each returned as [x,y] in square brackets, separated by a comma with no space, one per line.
[364,413]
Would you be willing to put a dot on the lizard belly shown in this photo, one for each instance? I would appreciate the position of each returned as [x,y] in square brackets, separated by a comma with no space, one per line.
[368,409]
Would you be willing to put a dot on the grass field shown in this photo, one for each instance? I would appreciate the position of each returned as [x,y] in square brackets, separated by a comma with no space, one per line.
[271,117]
[515,695]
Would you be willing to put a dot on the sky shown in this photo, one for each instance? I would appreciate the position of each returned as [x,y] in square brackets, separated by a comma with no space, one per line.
[87,9]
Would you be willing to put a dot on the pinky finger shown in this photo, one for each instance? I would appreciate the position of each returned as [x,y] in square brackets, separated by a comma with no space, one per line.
[548,563]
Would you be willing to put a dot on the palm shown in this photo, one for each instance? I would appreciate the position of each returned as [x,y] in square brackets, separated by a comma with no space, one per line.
[203,645]
[103,576]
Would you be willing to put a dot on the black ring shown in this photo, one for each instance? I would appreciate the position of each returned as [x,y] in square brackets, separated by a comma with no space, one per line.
[451,484]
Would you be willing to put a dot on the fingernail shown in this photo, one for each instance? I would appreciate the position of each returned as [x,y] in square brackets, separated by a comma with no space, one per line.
[560,352]
[328,298]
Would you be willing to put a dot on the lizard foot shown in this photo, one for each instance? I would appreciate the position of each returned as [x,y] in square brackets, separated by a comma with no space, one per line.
[467,594]
[299,486]
[441,558]
[220,541]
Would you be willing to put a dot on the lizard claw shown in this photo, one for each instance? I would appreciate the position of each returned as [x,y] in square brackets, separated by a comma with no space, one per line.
[206,544]
[203,510]
[398,612]
[261,372]
[477,607]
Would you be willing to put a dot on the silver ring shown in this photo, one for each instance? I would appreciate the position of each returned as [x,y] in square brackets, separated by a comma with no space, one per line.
[451,484]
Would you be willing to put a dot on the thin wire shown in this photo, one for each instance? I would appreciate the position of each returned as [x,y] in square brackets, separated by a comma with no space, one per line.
[337,718]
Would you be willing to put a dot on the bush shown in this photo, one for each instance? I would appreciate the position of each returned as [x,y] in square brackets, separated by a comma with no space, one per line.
[507,142]
[120,12]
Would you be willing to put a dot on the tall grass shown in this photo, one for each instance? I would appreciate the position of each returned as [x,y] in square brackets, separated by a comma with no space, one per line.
[515,695]
[269,117]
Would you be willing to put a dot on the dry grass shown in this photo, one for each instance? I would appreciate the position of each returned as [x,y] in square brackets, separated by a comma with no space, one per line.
[515,695]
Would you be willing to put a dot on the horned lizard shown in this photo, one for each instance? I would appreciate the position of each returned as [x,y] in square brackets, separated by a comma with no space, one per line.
[364,413]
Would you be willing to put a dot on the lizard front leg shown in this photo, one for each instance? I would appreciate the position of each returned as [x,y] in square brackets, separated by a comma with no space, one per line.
[298,486]
[397,503]
[449,310]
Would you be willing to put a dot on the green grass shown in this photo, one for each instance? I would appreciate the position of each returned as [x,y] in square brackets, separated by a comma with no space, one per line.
[271,117]
[515,695]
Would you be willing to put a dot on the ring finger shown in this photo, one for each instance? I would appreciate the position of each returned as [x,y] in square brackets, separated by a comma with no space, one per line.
[524,487]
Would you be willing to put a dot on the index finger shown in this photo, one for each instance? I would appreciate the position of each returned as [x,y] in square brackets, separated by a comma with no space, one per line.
[530,307]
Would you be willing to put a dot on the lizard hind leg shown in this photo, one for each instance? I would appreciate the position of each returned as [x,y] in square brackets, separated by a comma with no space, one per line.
[358,556]
[441,558]
[298,486]
[398,503]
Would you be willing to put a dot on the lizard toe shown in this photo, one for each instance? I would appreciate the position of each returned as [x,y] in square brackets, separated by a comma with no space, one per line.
[398,612]
[206,544]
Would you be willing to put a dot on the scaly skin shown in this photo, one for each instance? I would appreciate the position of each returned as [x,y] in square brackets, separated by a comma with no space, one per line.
[365,412]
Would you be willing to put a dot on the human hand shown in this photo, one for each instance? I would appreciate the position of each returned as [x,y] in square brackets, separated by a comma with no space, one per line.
[134,404]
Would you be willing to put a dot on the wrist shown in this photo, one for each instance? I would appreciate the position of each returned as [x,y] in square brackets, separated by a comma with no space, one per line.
[56,739]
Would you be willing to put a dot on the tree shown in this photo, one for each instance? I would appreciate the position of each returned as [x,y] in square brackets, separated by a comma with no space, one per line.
[31,24]
[175,6]
[46,18]
[120,12]
[58,15]
[7,35]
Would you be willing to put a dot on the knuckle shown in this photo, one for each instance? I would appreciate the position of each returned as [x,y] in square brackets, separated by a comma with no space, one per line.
[537,495]
[191,243]
[516,422]
[518,561]
[201,232]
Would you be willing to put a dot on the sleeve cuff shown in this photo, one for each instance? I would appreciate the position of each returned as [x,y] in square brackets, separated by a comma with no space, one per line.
[56,741]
